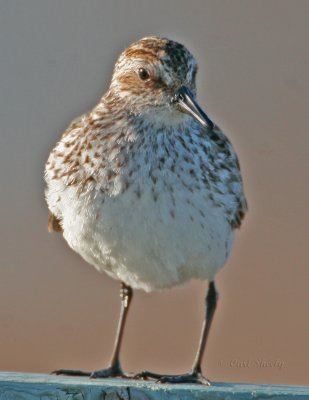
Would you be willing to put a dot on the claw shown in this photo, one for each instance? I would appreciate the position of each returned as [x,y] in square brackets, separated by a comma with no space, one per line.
[141,375]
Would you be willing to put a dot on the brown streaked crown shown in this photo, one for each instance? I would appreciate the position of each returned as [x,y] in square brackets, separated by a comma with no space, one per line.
[174,56]
[168,63]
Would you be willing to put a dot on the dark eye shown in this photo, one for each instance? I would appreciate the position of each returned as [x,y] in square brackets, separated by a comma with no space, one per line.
[143,74]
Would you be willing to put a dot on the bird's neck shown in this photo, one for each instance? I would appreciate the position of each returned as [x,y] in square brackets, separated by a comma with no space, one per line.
[142,117]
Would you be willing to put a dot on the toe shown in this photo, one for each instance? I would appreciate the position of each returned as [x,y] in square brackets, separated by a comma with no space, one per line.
[70,372]
[197,378]
[108,373]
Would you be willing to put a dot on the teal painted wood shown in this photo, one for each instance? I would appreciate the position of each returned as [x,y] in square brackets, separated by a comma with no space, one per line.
[22,386]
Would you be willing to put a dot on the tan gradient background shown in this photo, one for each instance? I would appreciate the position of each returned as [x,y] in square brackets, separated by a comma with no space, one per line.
[55,311]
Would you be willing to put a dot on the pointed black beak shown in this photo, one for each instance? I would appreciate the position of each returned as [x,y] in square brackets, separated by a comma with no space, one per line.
[185,99]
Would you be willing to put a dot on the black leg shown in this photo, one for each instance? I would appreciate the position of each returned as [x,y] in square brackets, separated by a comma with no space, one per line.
[195,375]
[114,370]
[211,304]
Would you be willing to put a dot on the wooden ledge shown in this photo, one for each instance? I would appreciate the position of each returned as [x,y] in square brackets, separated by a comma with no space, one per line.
[25,386]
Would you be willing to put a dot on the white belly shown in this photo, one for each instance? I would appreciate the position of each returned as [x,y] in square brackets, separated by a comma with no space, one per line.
[145,243]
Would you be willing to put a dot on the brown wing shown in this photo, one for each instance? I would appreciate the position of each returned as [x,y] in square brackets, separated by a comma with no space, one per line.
[239,215]
[54,224]
[226,158]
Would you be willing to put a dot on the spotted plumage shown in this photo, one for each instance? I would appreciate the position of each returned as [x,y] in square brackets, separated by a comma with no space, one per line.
[145,186]
[138,154]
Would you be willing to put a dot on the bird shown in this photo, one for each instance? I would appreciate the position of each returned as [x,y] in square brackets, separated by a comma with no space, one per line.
[147,188]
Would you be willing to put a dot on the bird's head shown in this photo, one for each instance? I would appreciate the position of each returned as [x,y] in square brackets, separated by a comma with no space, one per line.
[156,76]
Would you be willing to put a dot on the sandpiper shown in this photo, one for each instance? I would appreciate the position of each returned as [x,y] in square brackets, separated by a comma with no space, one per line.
[147,188]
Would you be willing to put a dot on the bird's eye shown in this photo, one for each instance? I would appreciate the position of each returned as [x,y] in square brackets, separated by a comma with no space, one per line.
[143,74]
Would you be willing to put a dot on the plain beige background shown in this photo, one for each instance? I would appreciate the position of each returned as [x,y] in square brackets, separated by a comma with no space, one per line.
[56,59]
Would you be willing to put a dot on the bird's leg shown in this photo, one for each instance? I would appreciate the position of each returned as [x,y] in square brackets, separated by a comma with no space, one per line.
[114,370]
[195,375]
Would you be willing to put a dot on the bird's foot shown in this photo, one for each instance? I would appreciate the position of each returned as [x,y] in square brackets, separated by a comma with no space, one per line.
[191,377]
[110,372]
